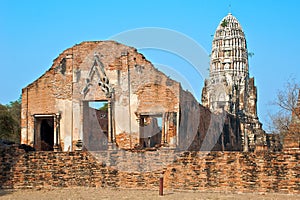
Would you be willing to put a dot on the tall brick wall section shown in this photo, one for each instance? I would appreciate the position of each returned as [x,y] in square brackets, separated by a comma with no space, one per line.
[203,171]
[138,89]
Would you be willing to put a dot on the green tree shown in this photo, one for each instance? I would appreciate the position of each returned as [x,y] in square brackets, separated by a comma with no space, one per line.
[10,117]
[6,123]
[104,107]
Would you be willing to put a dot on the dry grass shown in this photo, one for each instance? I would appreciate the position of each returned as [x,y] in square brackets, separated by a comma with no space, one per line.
[104,193]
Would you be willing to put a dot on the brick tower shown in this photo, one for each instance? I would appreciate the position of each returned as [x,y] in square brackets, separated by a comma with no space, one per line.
[229,87]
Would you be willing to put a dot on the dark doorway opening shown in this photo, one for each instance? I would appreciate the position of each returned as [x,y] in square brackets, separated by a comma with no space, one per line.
[44,133]
[47,134]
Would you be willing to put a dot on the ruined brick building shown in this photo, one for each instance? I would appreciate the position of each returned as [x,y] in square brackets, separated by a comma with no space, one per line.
[145,108]
[229,87]
[56,111]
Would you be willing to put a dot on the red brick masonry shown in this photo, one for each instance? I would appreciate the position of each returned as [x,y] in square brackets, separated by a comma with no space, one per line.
[214,171]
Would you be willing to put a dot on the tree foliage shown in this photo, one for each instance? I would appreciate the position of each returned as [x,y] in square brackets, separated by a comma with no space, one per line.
[104,107]
[285,102]
[10,117]
[224,23]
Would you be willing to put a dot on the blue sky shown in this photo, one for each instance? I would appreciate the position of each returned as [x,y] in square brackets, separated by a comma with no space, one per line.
[33,33]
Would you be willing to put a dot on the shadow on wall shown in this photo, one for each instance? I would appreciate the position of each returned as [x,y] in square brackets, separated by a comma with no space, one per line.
[208,131]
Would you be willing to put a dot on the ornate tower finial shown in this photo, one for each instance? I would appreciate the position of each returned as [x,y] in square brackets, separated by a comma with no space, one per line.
[227,87]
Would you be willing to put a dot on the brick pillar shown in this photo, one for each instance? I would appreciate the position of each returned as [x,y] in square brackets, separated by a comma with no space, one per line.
[56,146]
[24,117]
[79,143]
[111,137]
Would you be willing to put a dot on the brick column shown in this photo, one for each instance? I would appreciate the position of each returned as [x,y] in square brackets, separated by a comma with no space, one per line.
[111,137]
[56,146]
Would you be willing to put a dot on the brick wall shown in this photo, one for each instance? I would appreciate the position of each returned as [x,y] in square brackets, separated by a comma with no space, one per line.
[214,171]
[139,89]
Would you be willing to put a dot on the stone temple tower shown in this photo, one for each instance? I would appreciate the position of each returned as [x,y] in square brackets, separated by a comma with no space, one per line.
[229,87]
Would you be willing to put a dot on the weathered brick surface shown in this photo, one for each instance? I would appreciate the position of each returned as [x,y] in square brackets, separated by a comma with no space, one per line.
[127,141]
[204,171]
[8,158]
[138,89]
[243,172]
